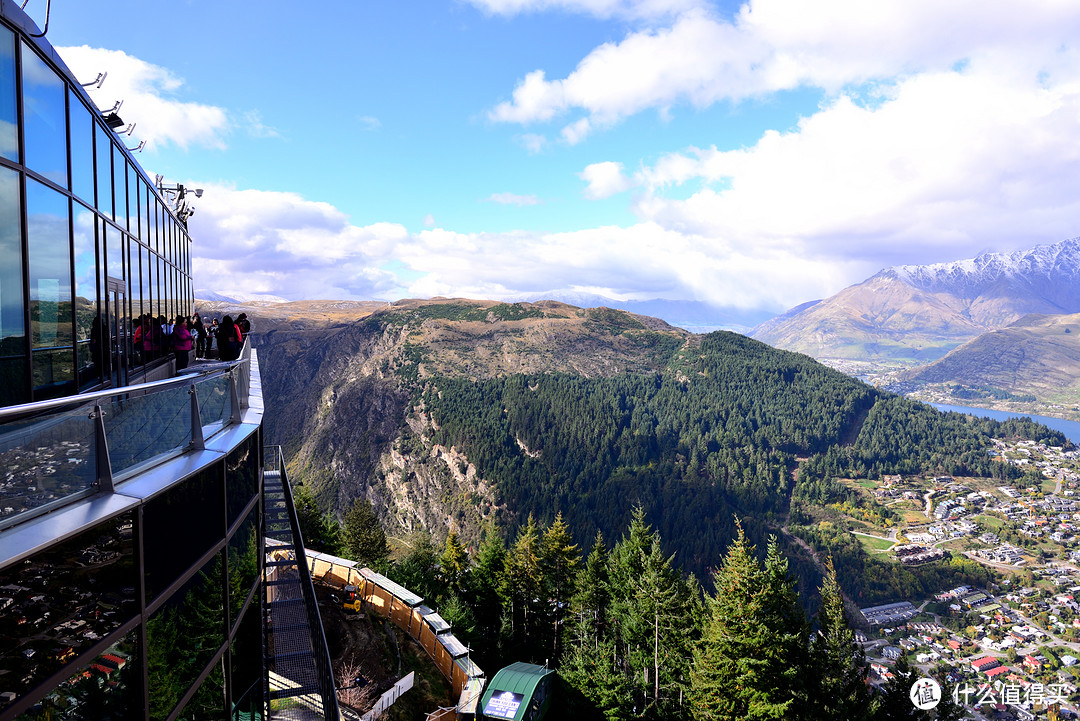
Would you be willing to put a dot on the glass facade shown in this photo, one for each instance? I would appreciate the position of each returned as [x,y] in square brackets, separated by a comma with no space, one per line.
[81,219]
[131,594]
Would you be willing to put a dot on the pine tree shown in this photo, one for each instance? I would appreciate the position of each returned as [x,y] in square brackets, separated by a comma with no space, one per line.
[559,561]
[593,597]
[741,664]
[484,579]
[454,563]
[365,540]
[839,663]
[521,585]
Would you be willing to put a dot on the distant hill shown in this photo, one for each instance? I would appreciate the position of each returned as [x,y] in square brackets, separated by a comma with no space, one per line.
[1033,360]
[452,413]
[920,313]
[238,297]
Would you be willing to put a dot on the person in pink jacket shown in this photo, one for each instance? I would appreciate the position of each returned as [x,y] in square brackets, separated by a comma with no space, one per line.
[182,342]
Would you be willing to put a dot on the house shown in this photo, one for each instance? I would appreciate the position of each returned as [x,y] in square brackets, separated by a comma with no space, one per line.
[985,663]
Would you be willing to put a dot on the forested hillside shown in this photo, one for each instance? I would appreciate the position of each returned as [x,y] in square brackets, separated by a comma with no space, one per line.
[452,415]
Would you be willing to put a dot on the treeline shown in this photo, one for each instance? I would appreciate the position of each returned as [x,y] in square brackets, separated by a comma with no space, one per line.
[692,447]
[631,637]
[716,435]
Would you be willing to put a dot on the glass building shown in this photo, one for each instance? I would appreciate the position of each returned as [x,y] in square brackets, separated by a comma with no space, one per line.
[134,506]
[87,242]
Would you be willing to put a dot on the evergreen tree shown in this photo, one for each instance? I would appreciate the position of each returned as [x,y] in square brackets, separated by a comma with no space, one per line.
[839,664]
[484,579]
[320,531]
[559,561]
[454,562]
[521,586]
[740,665]
[593,597]
[365,540]
[599,689]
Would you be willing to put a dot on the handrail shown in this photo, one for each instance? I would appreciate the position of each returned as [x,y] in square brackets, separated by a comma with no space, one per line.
[85,398]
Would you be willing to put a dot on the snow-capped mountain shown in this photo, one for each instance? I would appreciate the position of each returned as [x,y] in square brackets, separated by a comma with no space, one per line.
[692,315]
[1050,272]
[921,312]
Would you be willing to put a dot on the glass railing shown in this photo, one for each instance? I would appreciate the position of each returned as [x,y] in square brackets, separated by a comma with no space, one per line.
[56,452]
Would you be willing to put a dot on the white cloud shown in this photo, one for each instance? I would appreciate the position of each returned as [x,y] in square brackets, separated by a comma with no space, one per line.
[149,95]
[576,131]
[513,199]
[282,244]
[951,163]
[369,122]
[605,179]
[599,8]
[255,127]
[533,143]
[774,45]
[429,221]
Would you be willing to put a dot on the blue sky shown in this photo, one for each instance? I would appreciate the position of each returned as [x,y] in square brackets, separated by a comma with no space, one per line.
[755,156]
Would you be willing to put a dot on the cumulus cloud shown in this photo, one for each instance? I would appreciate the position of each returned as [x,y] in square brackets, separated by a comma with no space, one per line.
[513,199]
[604,180]
[283,244]
[772,45]
[150,99]
[598,8]
[951,163]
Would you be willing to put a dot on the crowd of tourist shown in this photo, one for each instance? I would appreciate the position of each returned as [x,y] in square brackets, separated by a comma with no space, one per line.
[208,338]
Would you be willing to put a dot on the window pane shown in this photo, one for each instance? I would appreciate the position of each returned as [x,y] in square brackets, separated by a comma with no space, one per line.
[82,149]
[114,251]
[44,118]
[243,563]
[190,510]
[182,637]
[106,688]
[103,150]
[133,201]
[88,323]
[50,267]
[119,186]
[12,332]
[63,600]
[9,137]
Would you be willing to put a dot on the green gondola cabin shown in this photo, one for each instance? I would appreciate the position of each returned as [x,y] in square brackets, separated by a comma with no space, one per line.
[519,692]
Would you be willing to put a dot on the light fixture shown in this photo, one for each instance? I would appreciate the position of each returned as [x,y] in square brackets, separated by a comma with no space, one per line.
[96,82]
[138,148]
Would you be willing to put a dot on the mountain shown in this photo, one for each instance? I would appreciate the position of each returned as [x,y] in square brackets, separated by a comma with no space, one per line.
[919,313]
[1031,365]
[693,315]
[451,414]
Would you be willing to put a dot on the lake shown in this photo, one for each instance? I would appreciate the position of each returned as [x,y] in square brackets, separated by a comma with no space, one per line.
[1071,429]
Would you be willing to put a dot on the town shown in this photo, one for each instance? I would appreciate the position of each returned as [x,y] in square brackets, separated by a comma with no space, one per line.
[1010,650]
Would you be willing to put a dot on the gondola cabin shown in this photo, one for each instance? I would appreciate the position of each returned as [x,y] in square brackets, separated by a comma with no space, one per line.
[519,692]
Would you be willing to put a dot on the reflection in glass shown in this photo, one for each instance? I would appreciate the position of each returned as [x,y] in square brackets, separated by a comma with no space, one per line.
[12,330]
[103,153]
[50,290]
[106,688]
[9,132]
[82,149]
[89,325]
[183,636]
[214,404]
[246,665]
[243,563]
[60,602]
[190,510]
[208,703]
[133,201]
[45,460]
[142,427]
[241,476]
[44,118]
[119,186]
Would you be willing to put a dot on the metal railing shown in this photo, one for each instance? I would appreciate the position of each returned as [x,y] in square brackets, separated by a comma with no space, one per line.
[299,672]
[58,451]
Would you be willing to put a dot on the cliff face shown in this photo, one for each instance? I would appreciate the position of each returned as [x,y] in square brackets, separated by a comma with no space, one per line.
[344,383]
